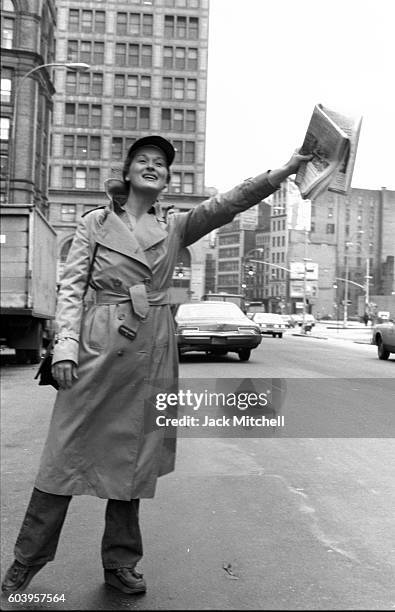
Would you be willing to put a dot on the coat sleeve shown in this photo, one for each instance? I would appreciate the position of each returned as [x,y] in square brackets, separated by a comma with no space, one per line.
[222,208]
[71,294]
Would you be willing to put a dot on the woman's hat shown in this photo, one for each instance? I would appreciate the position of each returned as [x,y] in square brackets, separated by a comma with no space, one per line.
[155,141]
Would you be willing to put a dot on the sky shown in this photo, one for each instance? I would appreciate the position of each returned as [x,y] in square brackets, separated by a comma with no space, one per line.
[271,61]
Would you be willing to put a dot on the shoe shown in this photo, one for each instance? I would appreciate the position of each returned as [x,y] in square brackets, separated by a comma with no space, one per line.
[126,580]
[18,577]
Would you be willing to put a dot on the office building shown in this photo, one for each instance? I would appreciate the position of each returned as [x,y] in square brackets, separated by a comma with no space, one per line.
[148,74]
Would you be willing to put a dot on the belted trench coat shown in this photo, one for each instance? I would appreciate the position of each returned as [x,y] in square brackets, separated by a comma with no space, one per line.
[98,443]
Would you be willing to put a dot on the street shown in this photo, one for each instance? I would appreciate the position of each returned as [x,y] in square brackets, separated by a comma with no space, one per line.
[291,520]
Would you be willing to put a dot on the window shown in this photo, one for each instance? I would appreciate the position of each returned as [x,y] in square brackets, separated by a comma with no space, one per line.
[74,20]
[122,23]
[80,178]
[330,228]
[119,85]
[192,57]
[145,87]
[148,24]
[71,82]
[117,148]
[191,89]
[4,128]
[120,54]
[180,61]
[176,182]
[84,84]
[189,152]
[169,26]
[7,24]
[179,89]
[68,213]
[68,146]
[70,113]
[96,115]
[168,57]
[146,56]
[67,177]
[189,180]
[94,178]
[6,85]
[82,147]
[312,227]
[100,22]
[87,21]
[83,115]
[72,50]
[97,83]
[98,52]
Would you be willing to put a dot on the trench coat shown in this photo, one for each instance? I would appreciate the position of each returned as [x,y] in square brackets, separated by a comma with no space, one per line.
[98,441]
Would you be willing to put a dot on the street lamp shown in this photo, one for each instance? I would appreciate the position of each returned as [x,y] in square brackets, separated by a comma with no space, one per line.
[76,66]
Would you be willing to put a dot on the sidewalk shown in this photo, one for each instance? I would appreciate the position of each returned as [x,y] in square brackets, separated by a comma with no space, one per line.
[329,331]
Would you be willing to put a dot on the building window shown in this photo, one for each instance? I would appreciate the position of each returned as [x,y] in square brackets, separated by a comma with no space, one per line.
[330,228]
[4,128]
[7,24]
[188,183]
[180,60]
[68,213]
[191,89]
[192,59]
[312,227]
[168,57]
[181,27]
[71,82]
[94,178]
[131,117]
[6,85]
[97,83]
[117,148]
[330,213]
[72,50]
[122,21]
[80,178]
[67,177]
[86,21]
[68,146]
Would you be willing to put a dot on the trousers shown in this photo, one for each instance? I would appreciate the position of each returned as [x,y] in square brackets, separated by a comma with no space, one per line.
[39,535]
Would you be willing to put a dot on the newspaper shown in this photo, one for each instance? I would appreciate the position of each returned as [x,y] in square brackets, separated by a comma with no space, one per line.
[332,139]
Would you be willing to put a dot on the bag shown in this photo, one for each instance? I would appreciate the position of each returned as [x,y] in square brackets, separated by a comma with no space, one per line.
[44,372]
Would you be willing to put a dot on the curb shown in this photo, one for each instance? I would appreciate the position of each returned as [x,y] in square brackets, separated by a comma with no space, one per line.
[310,336]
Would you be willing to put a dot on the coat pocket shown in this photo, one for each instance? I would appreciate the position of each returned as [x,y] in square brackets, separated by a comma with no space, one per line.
[98,326]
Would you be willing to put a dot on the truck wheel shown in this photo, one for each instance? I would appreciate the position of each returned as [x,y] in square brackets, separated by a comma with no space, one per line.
[381,350]
[244,354]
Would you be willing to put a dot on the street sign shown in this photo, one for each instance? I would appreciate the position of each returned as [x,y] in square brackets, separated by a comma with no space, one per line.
[297,270]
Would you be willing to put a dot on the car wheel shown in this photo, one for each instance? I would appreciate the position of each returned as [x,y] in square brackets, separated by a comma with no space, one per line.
[244,354]
[382,352]
[280,335]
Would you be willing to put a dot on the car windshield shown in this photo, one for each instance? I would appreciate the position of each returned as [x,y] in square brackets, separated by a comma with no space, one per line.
[208,310]
[267,318]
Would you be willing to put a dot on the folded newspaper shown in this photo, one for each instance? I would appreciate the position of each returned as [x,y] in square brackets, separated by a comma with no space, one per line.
[332,139]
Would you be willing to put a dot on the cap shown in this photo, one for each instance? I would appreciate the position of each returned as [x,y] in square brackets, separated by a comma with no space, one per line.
[155,141]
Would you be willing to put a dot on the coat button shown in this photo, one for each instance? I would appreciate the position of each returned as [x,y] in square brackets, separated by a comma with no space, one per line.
[117,282]
[122,316]
[120,353]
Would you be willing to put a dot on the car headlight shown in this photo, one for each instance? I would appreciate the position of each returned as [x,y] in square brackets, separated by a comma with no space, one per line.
[247,330]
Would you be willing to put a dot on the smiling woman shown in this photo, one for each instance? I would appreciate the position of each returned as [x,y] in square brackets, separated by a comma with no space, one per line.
[112,347]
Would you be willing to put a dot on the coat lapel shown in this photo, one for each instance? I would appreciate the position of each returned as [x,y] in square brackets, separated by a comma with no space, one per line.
[115,235]
[149,232]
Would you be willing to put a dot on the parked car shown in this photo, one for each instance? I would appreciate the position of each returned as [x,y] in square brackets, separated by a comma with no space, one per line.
[383,337]
[270,323]
[215,328]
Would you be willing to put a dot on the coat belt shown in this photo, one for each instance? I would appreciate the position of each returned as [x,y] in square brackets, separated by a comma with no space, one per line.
[139,296]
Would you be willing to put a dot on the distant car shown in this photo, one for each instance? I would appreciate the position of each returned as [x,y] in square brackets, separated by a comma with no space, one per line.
[215,328]
[383,336]
[270,323]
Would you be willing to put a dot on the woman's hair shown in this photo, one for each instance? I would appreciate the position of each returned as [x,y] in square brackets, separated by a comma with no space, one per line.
[126,166]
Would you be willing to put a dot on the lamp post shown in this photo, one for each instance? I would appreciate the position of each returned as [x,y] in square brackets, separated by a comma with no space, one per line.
[76,66]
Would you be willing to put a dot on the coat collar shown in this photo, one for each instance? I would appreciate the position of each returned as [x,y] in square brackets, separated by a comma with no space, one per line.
[115,235]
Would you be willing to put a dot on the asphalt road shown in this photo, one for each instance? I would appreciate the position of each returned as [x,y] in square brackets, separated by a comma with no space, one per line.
[256,522]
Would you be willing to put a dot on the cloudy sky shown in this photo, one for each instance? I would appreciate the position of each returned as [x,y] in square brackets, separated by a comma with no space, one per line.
[270,61]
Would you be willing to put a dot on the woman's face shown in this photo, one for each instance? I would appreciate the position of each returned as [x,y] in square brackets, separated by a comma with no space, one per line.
[148,170]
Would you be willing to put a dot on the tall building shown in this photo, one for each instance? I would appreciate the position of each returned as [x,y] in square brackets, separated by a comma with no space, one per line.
[148,74]
[27,43]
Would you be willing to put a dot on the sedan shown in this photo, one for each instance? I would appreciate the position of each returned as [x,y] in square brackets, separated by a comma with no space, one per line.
[384,338]
[215,328]
[270,323]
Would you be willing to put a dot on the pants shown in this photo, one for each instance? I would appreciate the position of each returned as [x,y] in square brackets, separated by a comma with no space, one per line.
[39,535]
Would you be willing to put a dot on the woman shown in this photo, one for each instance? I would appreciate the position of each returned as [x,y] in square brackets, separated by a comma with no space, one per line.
[109,348]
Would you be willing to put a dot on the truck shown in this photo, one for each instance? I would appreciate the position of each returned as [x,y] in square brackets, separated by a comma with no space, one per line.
[222,296]
[28,281]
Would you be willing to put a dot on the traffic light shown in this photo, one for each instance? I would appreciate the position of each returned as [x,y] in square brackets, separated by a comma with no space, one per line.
[251,270]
